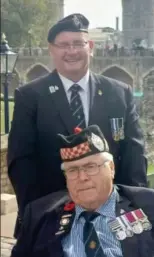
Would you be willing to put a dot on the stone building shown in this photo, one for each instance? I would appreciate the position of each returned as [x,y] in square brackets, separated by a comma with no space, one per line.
[138,22]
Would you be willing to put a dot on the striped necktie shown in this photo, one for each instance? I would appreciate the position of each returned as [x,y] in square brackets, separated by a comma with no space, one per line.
[90,238]
[77,107]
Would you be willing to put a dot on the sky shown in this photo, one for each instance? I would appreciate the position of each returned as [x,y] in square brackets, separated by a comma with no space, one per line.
[101,13]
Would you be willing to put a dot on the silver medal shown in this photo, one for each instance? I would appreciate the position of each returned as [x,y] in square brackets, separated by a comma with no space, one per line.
[121,234]
[137,228]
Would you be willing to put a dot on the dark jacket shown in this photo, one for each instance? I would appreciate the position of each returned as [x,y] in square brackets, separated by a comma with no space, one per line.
[39,115]
[39,237]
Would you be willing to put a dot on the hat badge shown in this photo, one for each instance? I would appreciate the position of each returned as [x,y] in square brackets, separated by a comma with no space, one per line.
[97,142]
[76,20]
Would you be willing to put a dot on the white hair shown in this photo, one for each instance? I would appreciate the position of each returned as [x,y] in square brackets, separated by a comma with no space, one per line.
[107,155]
[62,166]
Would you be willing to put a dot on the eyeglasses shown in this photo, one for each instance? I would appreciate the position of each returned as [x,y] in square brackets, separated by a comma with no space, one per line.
[90,169]
[66,46]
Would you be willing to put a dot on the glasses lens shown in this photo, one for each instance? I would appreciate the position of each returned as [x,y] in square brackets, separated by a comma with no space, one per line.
[91,169]
[72,173]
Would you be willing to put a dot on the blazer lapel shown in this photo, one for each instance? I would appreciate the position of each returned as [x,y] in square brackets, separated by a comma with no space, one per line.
[57,224]
[59,98]
[98,97]
[64,225]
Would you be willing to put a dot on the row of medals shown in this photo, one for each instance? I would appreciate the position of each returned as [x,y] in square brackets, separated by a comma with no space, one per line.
[128,224]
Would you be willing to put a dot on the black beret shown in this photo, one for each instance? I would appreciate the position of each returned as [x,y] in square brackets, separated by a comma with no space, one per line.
[83,143]
[75,22]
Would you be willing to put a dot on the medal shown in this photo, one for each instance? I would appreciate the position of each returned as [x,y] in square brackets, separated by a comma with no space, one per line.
[118,229]
[130,223]
[121,235]
[129,231]
[117,128]
[135,224]
[140,215]
[114,225]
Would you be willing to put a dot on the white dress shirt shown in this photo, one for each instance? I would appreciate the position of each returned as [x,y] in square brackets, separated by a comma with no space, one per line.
[84,92]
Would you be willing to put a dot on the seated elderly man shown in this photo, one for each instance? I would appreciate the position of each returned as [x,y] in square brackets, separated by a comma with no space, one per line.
[94,218]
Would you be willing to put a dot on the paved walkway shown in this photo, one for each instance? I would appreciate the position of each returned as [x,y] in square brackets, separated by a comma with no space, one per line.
[7,228]
[6,246]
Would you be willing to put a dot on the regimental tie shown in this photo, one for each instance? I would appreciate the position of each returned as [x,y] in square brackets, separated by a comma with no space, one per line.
[92,245]
[77,107]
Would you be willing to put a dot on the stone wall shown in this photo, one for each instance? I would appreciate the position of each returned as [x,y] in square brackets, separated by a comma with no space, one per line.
[5,182]
[150,149]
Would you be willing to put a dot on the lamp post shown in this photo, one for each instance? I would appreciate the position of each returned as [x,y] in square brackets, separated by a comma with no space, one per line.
[30,42]
[8,61]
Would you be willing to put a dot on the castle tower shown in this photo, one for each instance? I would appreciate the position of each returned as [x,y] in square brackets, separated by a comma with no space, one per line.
[138,21]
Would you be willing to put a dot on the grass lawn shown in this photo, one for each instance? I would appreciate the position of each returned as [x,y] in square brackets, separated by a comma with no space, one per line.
[150,169]
[11,104]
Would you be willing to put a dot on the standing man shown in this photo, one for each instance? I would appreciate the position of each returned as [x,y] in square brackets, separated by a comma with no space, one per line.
[68,97]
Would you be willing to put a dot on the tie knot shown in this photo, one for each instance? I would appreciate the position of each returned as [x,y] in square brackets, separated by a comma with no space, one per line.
[89,216]
[75,88]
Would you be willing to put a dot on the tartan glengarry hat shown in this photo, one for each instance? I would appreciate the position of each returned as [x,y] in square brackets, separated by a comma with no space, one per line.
[83,143]
[75,22]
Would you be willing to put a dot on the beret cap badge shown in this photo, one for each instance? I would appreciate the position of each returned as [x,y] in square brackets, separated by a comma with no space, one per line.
[82,143]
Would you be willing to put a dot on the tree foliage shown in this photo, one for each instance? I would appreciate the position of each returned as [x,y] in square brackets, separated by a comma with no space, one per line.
[26,22]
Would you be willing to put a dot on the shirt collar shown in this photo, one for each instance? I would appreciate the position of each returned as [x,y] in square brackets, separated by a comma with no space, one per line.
[107,209]
[83,83]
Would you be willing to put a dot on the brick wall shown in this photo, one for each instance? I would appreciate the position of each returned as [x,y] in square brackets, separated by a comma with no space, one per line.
[5,183]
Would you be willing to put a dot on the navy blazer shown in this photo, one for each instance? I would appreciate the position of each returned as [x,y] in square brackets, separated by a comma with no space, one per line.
[40,235]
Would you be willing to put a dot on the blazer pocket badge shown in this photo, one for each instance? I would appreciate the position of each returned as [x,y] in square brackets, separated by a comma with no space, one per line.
[117,128]
[53,89]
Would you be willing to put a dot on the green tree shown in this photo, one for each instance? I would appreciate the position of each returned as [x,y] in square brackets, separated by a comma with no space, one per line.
[25,20]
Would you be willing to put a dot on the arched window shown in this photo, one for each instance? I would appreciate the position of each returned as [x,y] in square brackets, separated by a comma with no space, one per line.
[36,71]
[119,74]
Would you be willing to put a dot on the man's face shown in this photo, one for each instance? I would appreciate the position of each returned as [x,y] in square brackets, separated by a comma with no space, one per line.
[71,52]
[90,191]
